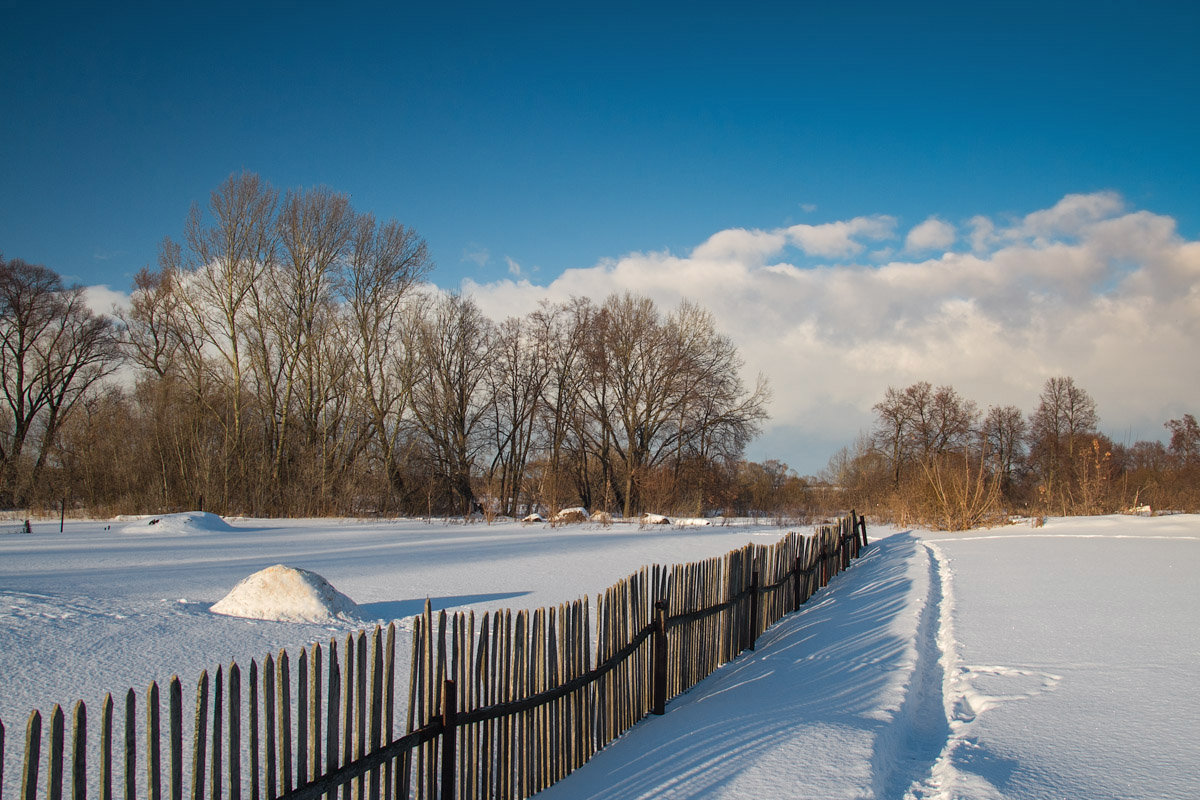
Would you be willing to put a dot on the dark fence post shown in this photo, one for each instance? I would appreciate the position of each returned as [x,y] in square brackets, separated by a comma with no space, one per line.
[797,582]
[449,720]
[862,524]
[753,632]
[660,657]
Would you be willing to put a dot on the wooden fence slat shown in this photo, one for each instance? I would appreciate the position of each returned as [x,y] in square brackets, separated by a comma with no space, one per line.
[130,745]
[175,736]
[106,748]
[33,756]
[302,727]
[153,743]
[235,731]
[283,690]
[54,774]
[218,718]
[269,704]
[200,737]
[252,707]
[79,752]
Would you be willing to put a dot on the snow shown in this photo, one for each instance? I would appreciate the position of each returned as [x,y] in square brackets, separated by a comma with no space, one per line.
[286,594]
[1017,662]
[182,523]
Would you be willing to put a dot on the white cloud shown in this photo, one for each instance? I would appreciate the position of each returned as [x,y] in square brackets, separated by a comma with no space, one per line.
[840,239]
[100,299]
[932,234]
[1086,288]
[479,256]
[514,268]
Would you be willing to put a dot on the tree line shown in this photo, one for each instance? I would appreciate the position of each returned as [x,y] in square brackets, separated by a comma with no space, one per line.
[934,458]
[288,357]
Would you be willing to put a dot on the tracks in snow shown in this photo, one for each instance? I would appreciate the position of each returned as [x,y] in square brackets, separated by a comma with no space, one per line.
[918,755]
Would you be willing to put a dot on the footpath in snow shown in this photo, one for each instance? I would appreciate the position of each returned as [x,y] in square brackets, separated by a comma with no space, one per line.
[1058,662]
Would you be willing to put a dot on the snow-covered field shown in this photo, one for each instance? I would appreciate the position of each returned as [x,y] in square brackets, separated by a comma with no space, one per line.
[1054,662]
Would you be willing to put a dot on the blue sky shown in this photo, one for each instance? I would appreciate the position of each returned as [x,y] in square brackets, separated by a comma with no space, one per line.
[523,141]
[557,135]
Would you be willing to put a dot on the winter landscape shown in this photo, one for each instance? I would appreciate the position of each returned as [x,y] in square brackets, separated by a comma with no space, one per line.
[1009,662]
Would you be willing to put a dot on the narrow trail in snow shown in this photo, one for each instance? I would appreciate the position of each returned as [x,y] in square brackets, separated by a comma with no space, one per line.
[908,749]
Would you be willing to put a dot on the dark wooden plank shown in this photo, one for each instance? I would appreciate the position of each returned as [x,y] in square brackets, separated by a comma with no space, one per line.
[130,746]
[79,752]
[215,775]
[252,707]
[283,692]
[200,737]
[54,771]
[235,732]
[33,756]
[153,743]
[106,748]
[269,704]
[175,736]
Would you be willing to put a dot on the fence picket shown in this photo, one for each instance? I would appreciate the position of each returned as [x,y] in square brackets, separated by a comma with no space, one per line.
[235,732]
[106,718]
[200,737]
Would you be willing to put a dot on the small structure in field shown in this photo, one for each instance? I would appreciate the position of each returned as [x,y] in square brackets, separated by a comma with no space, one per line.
[286,594]
[532,518]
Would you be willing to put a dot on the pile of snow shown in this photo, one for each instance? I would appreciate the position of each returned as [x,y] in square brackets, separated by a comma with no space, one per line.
[692,522]
[185,522]
[534,517]
[286,594]
[573,514]
[655,519]
[603,517]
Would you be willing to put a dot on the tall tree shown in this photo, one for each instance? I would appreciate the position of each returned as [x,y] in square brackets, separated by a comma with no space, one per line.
[53,349]
[1065,418]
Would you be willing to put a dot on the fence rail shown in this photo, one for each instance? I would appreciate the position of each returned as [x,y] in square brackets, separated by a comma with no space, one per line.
[498,707]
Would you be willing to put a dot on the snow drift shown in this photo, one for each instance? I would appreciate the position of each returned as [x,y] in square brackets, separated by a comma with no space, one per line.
[286,594]
[185,522]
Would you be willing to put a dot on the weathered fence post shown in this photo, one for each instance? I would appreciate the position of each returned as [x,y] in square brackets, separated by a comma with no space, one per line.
[754,611]
[33,755]
[660,657]
[79,752]
[449,720]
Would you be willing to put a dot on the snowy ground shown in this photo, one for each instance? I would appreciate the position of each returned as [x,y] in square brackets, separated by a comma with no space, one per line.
[1054,662]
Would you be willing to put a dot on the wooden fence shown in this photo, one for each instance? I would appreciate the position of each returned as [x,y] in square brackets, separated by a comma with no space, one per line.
[499,706]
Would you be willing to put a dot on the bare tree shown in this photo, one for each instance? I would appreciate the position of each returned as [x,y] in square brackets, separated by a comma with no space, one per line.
[53,349]
[518,375]
[455,343]
[386,261]
[228,257]
[1185,439]
[1064,419]
[1005,431]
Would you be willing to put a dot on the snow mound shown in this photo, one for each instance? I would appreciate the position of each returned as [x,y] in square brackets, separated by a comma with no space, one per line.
[185,522]
[573,514]
[692,522]
[286,594]
[655,519]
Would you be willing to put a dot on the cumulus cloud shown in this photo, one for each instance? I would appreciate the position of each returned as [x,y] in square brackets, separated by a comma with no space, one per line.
[1087,288]
[841,239]
[101,299]
[932,234]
